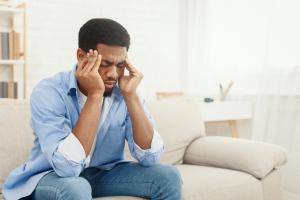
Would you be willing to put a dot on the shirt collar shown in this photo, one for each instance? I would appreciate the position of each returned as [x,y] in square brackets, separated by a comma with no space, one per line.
[72,85]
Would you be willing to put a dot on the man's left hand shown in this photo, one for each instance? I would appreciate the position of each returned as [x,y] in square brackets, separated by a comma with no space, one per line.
[129,83]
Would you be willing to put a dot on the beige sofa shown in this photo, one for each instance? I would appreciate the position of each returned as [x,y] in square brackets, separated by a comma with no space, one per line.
[212,168]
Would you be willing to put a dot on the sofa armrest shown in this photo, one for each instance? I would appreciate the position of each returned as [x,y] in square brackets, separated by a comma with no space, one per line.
[256,158]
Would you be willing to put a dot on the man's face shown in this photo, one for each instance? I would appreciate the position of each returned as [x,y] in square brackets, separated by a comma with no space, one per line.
[112,64]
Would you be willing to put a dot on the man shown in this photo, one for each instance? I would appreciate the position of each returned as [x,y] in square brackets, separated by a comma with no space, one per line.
[81,120]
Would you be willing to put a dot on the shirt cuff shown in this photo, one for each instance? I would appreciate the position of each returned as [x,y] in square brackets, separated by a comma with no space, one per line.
[156,145]
[71,149]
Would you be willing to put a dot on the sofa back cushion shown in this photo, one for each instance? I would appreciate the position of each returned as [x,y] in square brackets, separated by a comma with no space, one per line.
[179,122]
[15,135]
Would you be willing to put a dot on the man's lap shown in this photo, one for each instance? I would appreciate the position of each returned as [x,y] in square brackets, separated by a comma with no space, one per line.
[125,179]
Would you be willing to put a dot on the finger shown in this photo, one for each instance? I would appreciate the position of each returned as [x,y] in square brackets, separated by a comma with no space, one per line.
[89,56]
[132,70]
[81,64]
[97,64]
[128,65]
[87,61]
[91,62]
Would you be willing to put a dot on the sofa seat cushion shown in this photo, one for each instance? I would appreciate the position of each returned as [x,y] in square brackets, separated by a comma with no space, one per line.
[209,183]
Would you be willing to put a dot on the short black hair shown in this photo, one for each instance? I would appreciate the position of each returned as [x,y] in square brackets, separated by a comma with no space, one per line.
[102,31]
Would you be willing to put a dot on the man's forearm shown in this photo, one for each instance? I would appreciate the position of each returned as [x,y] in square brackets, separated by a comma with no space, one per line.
[88,122]
[141,126]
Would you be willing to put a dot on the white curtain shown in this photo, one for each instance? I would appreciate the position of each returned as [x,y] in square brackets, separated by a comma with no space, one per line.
[257,44]
[277,110]
[277,120]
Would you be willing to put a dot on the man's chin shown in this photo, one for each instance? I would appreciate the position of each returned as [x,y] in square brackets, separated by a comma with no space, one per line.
[107,92]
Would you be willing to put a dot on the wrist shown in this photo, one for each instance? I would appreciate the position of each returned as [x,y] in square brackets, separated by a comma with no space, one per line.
[129,95]
[95,95]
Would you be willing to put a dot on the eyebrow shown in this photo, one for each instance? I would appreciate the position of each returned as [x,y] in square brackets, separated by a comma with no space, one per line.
[110,63]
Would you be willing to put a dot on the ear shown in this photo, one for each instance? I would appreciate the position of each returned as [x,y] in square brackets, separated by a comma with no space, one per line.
[81,54]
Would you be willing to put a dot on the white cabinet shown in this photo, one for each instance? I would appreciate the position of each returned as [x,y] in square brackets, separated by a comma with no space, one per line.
[226,111]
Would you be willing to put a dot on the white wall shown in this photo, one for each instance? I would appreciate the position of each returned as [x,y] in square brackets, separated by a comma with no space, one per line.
[160,38]
[154,27]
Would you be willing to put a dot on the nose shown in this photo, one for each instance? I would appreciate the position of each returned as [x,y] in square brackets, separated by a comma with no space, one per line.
[112,72]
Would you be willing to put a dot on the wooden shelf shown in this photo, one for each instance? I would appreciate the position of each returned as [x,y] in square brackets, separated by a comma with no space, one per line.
[11,62]
[15,16]
[10,10]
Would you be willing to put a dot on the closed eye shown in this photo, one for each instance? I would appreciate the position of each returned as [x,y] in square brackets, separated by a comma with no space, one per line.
[121,65]
[106,64]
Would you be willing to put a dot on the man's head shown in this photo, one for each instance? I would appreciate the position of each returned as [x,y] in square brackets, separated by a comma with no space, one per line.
[112,41]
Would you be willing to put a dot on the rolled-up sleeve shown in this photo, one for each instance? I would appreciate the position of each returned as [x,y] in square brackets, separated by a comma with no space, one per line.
[146,157]
[52,127]
[71,148]
[156,146]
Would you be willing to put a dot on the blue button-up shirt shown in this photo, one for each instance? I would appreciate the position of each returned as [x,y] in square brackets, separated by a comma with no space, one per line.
[55,109]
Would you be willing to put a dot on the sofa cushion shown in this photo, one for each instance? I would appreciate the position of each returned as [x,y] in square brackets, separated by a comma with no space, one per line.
[253,157]
[209,183]
[179,123]
[15,133]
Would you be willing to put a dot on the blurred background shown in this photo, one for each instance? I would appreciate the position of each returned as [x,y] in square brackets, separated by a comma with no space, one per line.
[185,47]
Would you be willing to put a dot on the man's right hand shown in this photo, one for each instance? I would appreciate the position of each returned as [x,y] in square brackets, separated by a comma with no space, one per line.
[91,84]
[88,76]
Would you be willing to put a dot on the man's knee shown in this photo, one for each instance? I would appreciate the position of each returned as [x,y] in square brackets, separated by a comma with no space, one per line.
[167,183]
[76,188]
[168,176]
[171,176]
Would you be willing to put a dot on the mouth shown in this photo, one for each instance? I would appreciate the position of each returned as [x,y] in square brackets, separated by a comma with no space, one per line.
[109,84]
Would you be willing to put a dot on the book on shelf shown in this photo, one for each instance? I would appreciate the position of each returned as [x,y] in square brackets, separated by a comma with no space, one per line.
[16,42]
[10,45]
[4,45]
[8,89]
[3,89]
[0,46]
[6,3]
